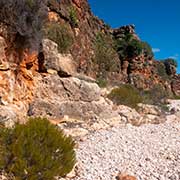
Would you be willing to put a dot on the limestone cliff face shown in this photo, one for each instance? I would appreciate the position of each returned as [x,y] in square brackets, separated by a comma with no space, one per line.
[84,32]
[141,71]
[21,75]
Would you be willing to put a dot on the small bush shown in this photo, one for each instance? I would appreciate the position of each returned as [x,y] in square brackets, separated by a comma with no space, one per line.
[176,97]
[36,151]
[60,34]
[126,95]
[128,47]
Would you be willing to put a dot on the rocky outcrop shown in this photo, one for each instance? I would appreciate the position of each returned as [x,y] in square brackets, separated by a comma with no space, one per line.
[176,85]
[120,33]
[57,97]
[56,62]
[141,71]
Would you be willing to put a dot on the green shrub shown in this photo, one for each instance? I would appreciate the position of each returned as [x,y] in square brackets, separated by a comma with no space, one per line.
[104,54]
[73,17]
[126,95]
[130,47]
[60,34]
[36,151]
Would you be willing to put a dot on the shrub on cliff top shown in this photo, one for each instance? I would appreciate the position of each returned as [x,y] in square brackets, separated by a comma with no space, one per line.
[36,151]
[147,50]
[171,61]
[126,95]
[168,64]
[130,47]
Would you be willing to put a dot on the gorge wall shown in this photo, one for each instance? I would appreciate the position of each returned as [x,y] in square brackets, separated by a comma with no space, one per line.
[21,75]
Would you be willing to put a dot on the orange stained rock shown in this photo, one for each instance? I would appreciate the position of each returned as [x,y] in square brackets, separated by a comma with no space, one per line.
[30,61]
[52,16]
[125,177]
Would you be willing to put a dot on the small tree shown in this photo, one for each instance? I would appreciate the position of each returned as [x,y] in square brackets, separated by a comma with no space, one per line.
[161,70]
[36,151]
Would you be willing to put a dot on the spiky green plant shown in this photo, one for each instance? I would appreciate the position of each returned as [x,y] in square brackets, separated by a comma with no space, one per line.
[36,151]
[73,17]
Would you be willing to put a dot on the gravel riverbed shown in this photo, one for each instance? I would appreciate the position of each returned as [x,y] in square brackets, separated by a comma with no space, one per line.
[149,152]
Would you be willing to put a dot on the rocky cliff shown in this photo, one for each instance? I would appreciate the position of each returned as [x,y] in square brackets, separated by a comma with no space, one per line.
[141,70]
[32,78]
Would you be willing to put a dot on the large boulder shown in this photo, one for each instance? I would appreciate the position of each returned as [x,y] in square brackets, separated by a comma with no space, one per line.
[53,60]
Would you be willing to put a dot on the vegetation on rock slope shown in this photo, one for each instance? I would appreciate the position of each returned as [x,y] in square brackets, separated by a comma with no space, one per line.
[36,151]
[60,34]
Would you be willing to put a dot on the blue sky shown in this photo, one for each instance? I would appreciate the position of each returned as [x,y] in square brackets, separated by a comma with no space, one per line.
[156,21]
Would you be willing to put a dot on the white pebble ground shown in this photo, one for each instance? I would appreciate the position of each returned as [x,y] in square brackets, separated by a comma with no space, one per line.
[149,152]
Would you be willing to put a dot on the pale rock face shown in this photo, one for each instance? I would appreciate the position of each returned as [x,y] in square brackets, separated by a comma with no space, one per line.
[62,63]
[77,132]
[56,97]
[7,116]
[131,115]
[174,105]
